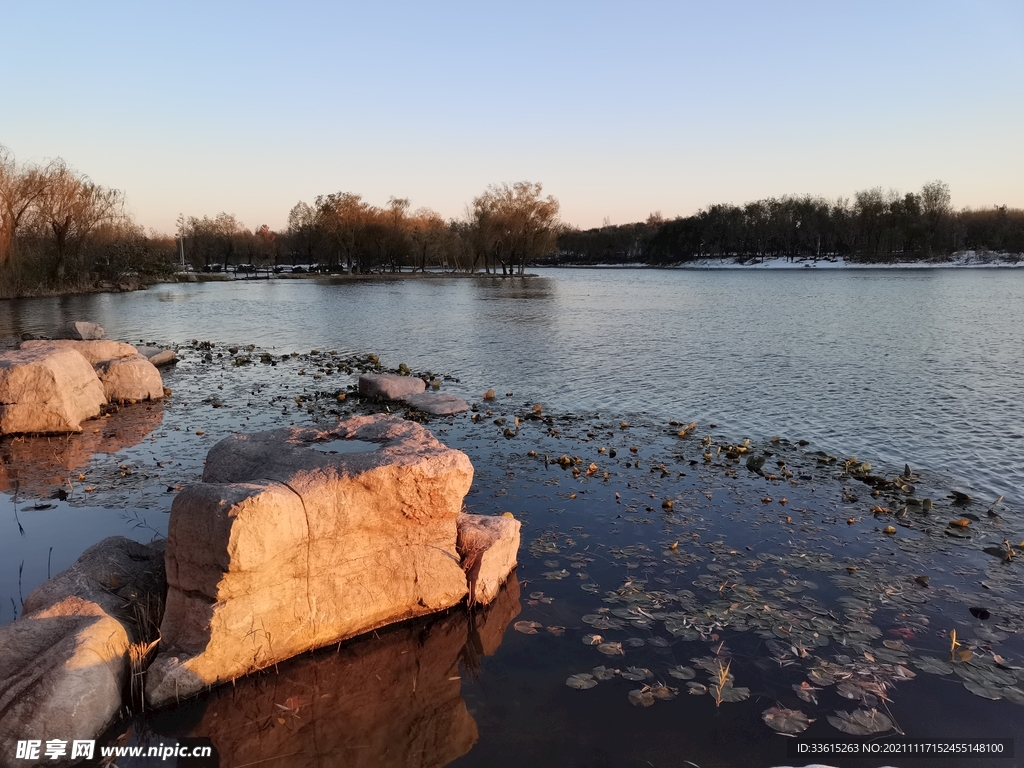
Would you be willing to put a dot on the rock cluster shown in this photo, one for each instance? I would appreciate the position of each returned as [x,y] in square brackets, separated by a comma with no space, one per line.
[52,386]
[412,391]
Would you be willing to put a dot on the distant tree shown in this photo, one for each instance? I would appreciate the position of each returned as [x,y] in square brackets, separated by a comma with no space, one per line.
[937,209]
[430,237]
[305,232]
[515,223]
[343,217]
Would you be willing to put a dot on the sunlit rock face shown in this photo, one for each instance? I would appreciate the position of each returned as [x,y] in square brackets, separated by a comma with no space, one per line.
[64,664]
[489,547]
[294,541]
[391,698]
[47,390]
[130,379]
[93,351]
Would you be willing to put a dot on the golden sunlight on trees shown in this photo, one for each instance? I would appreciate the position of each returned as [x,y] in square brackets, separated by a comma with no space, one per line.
[514,224]
[59,230]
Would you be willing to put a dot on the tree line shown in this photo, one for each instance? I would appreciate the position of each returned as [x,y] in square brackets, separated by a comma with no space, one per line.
[505,227]
[875,226]
[60,229]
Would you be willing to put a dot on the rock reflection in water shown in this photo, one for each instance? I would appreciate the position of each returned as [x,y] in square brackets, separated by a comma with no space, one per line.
[391,698]
[39,465]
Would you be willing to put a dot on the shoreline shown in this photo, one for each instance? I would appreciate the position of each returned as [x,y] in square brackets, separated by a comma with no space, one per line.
[960,260]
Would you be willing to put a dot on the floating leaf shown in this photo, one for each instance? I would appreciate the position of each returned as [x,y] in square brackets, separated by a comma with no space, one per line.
[664,692]
[862,722]
[641,697]
[682,673]
[636,674]
[557,631]
[788,722]
[728,693]
[581,681]
[634,642]
[985,691]
[806,692]
[611,649]
[528,627]
[696,689]
[603,673]
[592,639]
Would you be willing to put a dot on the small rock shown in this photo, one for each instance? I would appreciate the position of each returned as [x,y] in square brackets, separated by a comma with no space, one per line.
[80,329]
[390,386]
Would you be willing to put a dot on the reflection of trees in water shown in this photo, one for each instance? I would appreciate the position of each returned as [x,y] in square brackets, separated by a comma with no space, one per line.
[389,698]
[40,465]
[498,288]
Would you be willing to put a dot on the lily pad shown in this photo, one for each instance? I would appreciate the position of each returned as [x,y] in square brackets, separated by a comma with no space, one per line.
[682,673]
[603,673]
[933,666]
[611,649]
[636,674]
[641,697]
[528,627]
[788,722]
[729,693]
[592,639]
[581,681]
[862,722]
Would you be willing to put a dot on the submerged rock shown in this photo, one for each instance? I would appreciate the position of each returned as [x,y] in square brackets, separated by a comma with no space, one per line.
[436,403]
[47,390]
[293,541]
[80,329]
[64,664]
[390,386]
[159,356]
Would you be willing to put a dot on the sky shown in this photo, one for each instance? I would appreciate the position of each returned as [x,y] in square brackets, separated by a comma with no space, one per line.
[618,109]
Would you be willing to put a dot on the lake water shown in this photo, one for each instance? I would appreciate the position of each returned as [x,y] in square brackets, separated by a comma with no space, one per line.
[783,580]
[924,367]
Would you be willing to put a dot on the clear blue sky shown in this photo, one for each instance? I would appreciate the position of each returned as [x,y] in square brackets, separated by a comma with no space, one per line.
[619,109]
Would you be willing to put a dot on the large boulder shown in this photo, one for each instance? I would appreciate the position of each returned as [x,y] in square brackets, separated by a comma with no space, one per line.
[130,379]
[64,664]
[391,698]
[93,351]
[47,390]
[390,386]
[80,329]
[437,403]
[294,541]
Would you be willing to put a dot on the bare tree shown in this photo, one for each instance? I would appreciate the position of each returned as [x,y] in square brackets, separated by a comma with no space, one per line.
[20,189]
[72,207]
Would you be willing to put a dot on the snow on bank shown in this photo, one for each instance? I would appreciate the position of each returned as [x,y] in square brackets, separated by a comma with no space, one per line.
[959,260]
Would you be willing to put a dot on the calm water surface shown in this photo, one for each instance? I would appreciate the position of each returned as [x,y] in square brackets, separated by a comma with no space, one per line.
[917,366]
